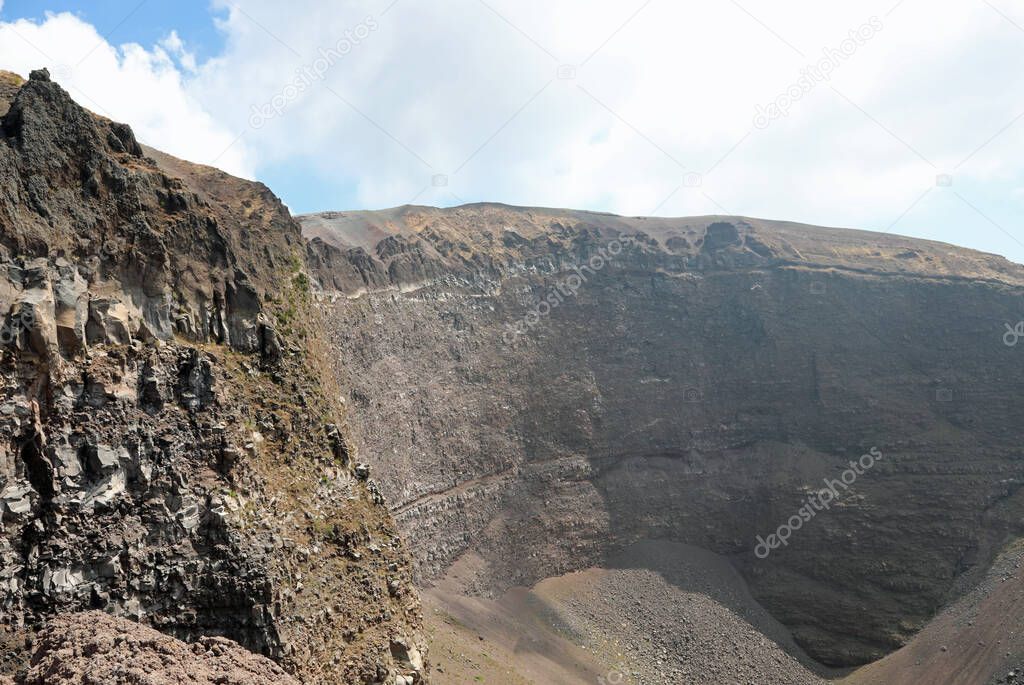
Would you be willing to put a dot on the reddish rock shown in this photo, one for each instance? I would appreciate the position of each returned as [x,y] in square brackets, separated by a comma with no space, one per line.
[97,649]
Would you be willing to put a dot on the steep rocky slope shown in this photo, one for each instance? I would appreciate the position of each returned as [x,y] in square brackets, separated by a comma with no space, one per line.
[172,450]
[975,641]
[542,388]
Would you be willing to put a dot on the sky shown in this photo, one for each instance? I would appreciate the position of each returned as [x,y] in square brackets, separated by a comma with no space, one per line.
[904,116]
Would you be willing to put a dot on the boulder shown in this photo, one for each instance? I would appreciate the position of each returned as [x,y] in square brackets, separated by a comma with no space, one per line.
[30,324]
[71,308]
[109,322]
[102,459]
[106,491]
[16,498]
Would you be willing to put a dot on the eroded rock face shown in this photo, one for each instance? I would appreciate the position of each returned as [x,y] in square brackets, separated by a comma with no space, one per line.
[698,386]
[109,506]
[169,451]
[160,258]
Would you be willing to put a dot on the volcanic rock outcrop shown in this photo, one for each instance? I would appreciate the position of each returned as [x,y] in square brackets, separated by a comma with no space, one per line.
[170,451]
[537,389]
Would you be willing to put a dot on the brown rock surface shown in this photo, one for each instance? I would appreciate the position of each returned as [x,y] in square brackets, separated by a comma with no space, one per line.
[97,649]
[9,85]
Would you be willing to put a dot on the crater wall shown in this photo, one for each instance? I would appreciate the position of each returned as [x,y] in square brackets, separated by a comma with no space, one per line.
[698,387]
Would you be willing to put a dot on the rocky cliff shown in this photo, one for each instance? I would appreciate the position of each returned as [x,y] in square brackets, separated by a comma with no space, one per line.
[172,448]
[537,389]
[217,426]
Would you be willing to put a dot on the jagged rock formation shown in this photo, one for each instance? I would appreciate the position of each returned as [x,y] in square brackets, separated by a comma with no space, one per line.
[170,449]
[569,383]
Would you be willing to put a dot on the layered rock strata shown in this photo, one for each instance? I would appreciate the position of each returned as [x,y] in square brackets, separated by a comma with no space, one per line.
[540,388]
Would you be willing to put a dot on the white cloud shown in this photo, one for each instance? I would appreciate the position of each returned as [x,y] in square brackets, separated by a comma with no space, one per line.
[469,89]
[129,83]
[673,85]
[174,46]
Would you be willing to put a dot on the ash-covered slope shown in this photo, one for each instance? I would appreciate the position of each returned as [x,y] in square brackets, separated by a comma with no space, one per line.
[170,448]
[542,388]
